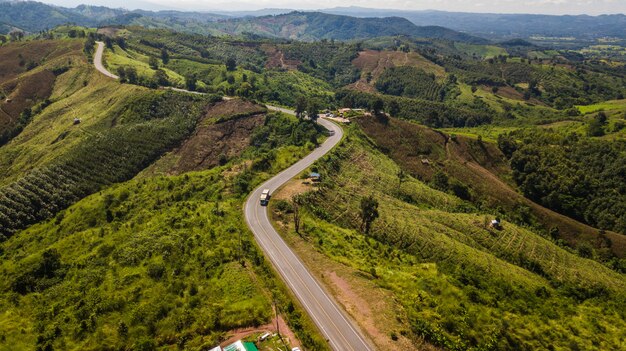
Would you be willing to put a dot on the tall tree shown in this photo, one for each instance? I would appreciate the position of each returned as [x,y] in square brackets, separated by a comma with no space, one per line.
[153,62]
[165,56]
[296,202]
[300,106]
[313,108]
[401,178]
[369,212]
[231,64]
[190,81]
[377,105]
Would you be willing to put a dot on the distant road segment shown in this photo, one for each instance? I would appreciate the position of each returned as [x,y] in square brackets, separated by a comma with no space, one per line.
[97,61]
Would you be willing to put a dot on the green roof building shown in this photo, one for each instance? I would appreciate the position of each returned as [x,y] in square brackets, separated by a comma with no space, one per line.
[241,346]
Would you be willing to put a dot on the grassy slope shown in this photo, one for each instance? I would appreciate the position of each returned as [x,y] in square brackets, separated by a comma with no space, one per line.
[613,105]
[100,99]
[484,51]
[117,58]
[455,282]
[162,255]
[28,71]
[483,168]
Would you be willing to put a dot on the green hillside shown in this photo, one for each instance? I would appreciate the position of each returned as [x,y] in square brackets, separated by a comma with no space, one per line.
[121,223]
[156,262]
[310,26]
[454,281]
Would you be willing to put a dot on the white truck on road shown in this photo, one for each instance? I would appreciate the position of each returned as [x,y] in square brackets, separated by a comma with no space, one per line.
[265,197]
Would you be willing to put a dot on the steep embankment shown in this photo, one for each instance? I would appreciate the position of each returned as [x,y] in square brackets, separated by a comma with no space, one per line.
[222,134]
[28,72]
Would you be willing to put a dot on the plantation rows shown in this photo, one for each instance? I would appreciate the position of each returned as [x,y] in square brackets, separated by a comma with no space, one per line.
[510,283]
[102,159]
[512,246]
[198,47]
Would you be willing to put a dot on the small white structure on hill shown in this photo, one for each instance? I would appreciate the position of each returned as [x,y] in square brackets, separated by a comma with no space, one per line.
[495,224]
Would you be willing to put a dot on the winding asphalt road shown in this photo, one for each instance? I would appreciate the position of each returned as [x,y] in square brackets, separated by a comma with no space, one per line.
[340,332]
[335,325]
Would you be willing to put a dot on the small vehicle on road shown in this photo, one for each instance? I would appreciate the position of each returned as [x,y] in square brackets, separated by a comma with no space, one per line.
[265,197]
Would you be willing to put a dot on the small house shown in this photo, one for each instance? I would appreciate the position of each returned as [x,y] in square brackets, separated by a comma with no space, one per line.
[77,121]
[426,161]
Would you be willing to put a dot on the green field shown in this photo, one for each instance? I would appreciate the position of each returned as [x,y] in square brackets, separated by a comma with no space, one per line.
[608,106]
[484,51]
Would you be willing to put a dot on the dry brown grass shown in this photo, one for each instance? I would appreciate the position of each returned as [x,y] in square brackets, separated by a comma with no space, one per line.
[375,62]
[212,141]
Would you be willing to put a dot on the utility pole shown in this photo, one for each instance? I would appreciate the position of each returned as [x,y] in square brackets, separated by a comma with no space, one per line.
[276,317]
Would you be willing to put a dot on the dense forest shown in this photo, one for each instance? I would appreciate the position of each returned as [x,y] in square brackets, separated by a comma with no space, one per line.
[581,178]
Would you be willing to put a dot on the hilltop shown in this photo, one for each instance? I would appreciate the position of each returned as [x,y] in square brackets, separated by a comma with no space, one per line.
[295,25]
[316,25]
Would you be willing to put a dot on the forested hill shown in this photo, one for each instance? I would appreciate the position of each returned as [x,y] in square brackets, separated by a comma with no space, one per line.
[34,16]
[317,25]
[491,25]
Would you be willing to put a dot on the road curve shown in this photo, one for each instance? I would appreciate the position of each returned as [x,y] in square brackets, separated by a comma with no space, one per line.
[340,332]
[97,61]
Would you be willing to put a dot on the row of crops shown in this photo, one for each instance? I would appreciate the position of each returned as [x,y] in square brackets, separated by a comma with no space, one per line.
[101,159]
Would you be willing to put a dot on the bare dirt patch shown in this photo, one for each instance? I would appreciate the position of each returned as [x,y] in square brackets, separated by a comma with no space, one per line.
[292,188]
[220,136]
[25,92]
[511,93]
[232,108]
[287,334]
[375,62]
[108,31]
[276,59]
[14,57]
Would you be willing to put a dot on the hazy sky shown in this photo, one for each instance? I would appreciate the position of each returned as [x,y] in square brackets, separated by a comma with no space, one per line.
[593,7]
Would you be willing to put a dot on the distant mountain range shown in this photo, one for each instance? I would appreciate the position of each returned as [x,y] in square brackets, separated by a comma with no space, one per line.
[35,16]
[336,23]
[317,25]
